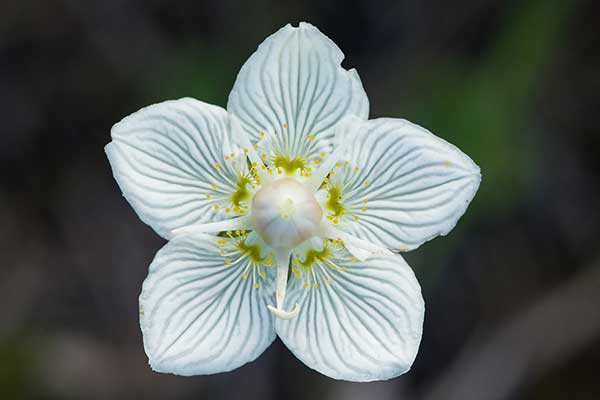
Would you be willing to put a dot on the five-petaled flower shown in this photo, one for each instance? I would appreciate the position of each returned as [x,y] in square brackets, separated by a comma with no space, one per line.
[283,214]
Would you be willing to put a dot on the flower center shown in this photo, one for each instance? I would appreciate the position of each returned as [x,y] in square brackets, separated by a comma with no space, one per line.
[285,213]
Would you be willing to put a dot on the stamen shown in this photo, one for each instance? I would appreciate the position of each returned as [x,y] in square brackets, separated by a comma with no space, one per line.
[317,178]
[282,258]
[225,225]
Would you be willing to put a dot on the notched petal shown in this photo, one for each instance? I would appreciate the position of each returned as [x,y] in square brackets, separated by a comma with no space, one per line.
[292,92]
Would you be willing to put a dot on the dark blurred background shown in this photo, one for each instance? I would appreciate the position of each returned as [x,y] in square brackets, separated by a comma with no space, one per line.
[512,294]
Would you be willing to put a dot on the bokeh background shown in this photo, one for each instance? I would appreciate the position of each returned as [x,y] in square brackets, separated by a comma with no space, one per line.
[512,295]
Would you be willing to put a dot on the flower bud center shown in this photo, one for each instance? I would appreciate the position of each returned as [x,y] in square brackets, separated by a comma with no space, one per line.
[285,213]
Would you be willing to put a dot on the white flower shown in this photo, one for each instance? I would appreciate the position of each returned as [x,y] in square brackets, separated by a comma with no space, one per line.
[292,179]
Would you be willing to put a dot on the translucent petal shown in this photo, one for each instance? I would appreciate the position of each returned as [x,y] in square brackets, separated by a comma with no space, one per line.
[292,92]
[198,313]
[398,185]
[358,321]
[173,163]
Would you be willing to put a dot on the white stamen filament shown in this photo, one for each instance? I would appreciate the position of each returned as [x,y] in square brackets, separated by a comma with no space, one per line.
[282,258]
[316,180]
[238,223]
[284,214]
[359,248]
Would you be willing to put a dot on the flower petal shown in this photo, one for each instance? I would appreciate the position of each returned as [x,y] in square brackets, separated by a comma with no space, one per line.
[198,315]
[398,185]
[292,91]
[358,321]
[169,160]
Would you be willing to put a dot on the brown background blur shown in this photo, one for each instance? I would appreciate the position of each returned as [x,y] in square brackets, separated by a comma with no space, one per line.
[512,294]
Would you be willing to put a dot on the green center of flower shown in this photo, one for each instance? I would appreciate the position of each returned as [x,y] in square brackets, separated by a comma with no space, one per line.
[333,203]
[252,251]
[242,193]
[289,166]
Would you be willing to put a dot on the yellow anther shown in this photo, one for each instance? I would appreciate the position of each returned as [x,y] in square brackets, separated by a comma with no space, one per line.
[221,241]
[344,269]
[335,221]
[217,165]
[356,217]
[326,180]
[285,126]
[263,274]
[327,282]
[214,185]
[208,195]
[337,164]
[298,275]
[261,134]
[310,137]
[222,252]
[309,170]
[227,261]
[330,217]
[228,210]
[294,262]
[346,163]
[232,155]
[331,173]
[263,167]
[322,154]
[366,183]
[228,233]
[216,207]
[356,169]
[263,156]
[352,259]
[254,164]
[244,276]
[269,263]
[316,162]
[270,255]
[226,158]
[363,209]
[237,232]
[305,284]
[245,150]
[315,285]
[365,201]
[255,147]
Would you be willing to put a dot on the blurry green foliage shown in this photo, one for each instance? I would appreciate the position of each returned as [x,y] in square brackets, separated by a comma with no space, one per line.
[483,108]
[16,367]
[200,71]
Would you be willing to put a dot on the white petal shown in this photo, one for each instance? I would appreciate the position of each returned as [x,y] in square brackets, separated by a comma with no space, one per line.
[293,86]
[165,157]
[197,314]
[400,184]
[363,320]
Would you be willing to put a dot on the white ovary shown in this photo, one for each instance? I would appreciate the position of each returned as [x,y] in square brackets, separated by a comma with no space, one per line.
[285,213]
